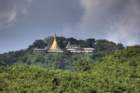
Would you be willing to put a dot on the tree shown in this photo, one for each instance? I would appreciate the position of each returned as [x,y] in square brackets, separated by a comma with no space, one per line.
[90,42]
[38,44]
[120,46]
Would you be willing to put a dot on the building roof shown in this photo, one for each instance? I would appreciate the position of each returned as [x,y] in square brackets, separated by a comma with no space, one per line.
[70,46]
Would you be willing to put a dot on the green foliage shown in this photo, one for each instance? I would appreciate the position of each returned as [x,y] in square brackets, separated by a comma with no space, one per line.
[103,47]
[34,79]
[82,62]
[118,72]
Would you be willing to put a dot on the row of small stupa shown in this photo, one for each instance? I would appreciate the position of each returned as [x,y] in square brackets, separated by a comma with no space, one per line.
[69,48]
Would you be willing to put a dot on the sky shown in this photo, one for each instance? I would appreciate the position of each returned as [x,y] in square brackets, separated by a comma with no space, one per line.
[24,21]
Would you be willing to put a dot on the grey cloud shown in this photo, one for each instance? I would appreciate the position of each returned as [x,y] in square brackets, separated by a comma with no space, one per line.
[100,14]
[127,28]
[116,20]
[10,9]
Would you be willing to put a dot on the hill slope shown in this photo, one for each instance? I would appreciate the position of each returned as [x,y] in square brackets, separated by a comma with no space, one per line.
[118,72]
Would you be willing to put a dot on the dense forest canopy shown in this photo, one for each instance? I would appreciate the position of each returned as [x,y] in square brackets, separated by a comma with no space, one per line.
[118,72]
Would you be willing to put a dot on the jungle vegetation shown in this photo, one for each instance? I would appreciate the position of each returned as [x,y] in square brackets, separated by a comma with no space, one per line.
[111,69]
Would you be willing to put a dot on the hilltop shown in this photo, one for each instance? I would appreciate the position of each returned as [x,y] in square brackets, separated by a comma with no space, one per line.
[64,60]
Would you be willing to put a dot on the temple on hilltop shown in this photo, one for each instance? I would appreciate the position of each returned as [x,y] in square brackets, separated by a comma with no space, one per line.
[55,47]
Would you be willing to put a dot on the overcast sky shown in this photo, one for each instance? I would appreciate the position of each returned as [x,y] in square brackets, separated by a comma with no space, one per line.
[23,21]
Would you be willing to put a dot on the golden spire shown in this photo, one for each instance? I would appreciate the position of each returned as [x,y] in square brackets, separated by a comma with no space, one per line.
[54,44]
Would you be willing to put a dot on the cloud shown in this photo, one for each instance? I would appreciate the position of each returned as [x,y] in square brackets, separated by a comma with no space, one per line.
[11,17]
[10,9]
[100,14]
[116,20]
[127,29]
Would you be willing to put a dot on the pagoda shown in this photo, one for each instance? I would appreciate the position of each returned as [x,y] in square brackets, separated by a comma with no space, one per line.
[54,47]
